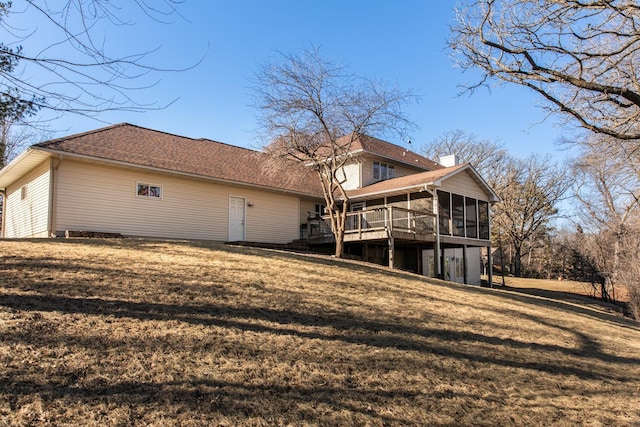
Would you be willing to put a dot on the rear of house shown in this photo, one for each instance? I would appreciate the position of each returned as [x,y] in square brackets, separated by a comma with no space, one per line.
[411,213]
[406,211]
[51,191]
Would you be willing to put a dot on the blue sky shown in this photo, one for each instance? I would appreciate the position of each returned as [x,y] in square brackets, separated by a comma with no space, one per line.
[403,42]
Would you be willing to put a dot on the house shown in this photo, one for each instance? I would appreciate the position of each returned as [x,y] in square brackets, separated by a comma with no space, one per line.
[405,210]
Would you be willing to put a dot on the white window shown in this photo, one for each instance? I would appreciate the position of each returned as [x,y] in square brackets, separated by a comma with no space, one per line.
[383,171]
[149,191]
[319,210]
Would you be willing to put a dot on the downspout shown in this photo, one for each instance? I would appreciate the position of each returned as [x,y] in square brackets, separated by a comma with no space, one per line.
[53,164]
[3,192]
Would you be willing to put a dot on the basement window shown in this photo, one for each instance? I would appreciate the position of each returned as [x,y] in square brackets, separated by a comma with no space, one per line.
[149,191]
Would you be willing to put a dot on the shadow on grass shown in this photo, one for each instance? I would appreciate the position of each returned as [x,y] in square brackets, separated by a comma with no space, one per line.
[548,298]
[340,328]
[273,400]
[243,401]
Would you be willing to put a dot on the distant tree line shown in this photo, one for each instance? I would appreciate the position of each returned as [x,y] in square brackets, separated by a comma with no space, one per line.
[581,58]
[601,184]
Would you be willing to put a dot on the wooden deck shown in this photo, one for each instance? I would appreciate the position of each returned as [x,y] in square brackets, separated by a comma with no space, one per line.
[381,224]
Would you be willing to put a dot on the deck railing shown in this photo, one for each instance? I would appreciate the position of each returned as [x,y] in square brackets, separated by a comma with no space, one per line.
[377,219]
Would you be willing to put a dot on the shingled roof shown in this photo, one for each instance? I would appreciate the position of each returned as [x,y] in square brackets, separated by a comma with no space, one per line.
[135,145]
[385,149]
[416,181]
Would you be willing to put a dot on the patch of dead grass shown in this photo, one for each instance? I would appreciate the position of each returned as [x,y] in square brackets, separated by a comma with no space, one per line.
[135,332]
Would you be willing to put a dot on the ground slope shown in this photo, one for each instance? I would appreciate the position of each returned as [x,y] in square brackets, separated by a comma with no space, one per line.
[134,332]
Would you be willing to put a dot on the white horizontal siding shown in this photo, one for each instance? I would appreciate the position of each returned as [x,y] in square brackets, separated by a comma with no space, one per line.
[351,174]
[102,198]
[464,185]
[307,207]
[29,217]
[273,217]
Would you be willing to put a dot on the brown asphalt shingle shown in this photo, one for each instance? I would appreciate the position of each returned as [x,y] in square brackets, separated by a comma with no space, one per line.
[408,181]
[146,147]
[391,151]
[136,145]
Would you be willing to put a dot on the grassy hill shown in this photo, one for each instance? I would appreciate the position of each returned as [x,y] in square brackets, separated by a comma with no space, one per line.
[133,332]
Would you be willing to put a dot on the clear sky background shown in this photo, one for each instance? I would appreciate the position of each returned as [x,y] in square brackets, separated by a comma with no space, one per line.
[403,42]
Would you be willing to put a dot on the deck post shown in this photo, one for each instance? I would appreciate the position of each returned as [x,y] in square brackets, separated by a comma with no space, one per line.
[465,264]
[391,250]
[490,266]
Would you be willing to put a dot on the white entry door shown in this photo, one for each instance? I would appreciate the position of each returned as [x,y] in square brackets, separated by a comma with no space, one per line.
[236,219]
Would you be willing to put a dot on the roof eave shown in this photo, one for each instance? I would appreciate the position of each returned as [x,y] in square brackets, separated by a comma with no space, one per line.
[176,173]
[21,165]
[420,187]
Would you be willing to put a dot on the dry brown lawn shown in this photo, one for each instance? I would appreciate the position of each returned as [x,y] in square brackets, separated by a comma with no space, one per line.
[566,290]
[134,332]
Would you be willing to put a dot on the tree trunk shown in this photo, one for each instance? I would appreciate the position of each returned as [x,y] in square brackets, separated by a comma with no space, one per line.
[339,237]
[517,262]
[341,219]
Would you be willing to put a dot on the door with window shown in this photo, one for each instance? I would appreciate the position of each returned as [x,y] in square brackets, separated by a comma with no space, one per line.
[236,219]
[355,221]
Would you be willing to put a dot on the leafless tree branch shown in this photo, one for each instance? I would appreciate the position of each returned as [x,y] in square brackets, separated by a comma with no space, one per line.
[580,56]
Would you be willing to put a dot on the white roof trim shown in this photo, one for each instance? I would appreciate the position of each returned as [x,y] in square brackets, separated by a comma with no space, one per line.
[21,165]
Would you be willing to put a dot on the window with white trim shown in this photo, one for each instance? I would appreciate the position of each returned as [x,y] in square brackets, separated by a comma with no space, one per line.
[149,191]
[383,171]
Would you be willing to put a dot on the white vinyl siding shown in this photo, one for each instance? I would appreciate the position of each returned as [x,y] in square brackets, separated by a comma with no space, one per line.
[464,185]
[307,207]
[28,216]
[92,197]
[351,173]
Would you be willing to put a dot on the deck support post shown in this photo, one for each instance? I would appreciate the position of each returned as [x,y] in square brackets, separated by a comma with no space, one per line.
[391,250]
[490,266]
[436,247]
[465,264]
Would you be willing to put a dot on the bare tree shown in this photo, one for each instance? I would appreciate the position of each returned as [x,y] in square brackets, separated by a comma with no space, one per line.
[485,156]
[14,138]
[531,190]
[581,56]
[313,110]
[608,192]
[75,70]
